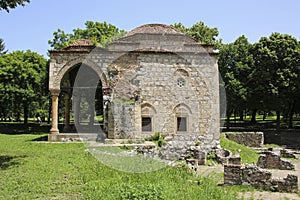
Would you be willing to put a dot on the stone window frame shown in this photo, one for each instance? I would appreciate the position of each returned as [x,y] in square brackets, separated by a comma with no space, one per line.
[147,111]
[186,124]
[183,111]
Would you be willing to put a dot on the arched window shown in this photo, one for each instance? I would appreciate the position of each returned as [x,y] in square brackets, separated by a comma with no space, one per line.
[182,113]
[148,112]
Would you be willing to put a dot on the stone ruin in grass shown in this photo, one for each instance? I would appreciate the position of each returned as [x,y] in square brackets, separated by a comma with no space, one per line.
[259,178]
[256,174]
[271,160]
[251,174]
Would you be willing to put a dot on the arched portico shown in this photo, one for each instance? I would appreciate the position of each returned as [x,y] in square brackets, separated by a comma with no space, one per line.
[65,65]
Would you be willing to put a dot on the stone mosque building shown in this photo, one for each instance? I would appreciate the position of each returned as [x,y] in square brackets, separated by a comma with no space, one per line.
[154,79]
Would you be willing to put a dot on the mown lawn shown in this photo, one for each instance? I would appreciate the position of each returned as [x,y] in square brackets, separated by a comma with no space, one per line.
[37,170]
[248,155]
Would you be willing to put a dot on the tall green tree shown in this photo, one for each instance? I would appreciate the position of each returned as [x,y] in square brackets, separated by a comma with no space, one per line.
[22,81]
[10,4]
[235,64]
[100,33]
[275,79]
[2,47]
[200,32]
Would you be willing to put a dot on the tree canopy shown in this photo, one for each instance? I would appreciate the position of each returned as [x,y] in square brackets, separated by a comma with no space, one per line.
[10,4]
[236,63]
[100,33]
[200,32]
[276,73]
[262,76]
[22,81]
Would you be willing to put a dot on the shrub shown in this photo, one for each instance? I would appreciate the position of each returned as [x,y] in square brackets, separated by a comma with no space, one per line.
[158,139]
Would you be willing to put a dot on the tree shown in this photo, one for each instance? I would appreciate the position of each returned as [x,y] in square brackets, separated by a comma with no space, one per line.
[10,4]
[200,32]
[235,64]
[22,81]
[276,75]
[2,47]
[101,33]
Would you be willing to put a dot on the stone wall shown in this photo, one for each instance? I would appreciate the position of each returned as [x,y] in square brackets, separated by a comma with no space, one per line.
[271,160]
[250,139]
[181,147]
[259,178]
[284,153]
[167,78]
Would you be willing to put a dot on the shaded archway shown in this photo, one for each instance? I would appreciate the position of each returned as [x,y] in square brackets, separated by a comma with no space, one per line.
[81,102]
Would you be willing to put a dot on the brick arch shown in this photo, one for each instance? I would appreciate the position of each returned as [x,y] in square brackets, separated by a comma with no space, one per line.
[77,61]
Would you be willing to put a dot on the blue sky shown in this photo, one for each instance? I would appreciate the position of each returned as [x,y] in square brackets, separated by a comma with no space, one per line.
[31,27]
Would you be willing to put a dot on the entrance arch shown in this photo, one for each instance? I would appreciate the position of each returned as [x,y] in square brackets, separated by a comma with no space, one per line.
[80,91]
[75,62]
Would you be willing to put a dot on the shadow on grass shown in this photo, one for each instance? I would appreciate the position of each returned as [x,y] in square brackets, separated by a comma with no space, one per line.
[7,161]
[15,128]
[42,138]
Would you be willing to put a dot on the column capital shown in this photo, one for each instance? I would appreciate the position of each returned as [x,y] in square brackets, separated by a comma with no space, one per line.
[55,92]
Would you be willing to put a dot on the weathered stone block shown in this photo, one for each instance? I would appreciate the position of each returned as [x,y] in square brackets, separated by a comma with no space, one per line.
[251,139]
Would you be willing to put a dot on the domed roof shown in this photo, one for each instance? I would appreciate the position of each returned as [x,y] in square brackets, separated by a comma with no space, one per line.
[154,29]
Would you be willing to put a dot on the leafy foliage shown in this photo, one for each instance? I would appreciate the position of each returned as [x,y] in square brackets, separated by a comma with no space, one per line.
[235,64]
[2,47]
[200,32]
[9,4]
[22,81]
[100,33]
[262,76]
[158,139]
[275,78]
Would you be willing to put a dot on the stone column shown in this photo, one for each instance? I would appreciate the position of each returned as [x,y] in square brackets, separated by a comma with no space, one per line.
[54,94]
[67,112]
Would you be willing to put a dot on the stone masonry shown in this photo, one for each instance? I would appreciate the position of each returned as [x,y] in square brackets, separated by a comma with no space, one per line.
[250,139]
[154,79]
[271,160]
[259,178]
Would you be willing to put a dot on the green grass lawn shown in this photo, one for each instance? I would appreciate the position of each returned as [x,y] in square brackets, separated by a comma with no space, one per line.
[248,155]
[37,170]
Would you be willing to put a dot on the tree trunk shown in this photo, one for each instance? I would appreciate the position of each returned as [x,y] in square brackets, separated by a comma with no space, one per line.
[242,115]
[278,120]
[291,113]
[25,113]
[264,116]
[253,116]
[228,120]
